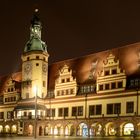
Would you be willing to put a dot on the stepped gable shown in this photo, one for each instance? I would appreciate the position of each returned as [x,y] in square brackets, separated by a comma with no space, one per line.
[127,55]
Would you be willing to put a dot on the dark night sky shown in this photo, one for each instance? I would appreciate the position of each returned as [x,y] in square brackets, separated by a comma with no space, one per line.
[71,28]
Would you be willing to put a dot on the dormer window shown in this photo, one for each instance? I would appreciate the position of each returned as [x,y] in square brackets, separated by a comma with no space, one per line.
[68,79]
[114,71]
[63,81]
[106,72]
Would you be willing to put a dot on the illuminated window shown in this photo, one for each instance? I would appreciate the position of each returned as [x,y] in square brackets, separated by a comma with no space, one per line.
[129,107]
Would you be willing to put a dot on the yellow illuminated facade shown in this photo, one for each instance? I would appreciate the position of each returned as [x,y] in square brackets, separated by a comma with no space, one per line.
[95,95]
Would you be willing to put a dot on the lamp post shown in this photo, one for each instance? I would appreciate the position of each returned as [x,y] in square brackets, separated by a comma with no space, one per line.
[35,122]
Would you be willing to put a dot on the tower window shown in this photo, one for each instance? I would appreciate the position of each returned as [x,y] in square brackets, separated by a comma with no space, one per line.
[37,57]
[37,64]
[114,71]
[106,72]
[28,58]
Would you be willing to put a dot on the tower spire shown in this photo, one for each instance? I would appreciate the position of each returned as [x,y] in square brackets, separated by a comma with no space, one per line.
[35,25]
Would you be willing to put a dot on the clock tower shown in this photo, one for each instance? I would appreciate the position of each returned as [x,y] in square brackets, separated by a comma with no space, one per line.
[35,63]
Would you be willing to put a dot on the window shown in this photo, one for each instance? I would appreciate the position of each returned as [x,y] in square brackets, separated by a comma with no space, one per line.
[114,108]
[74,111]
[109,108]
[63,81]
[53,112]
[67,91]
[44,83]
[71,91]
[129,107]
[65,112]
[25,114]
[106,86]
[98,109]
[37,57]
[91,110]
[60,112]
[58,93]
[9,115]
[117,108]
[80,111]
[114,71]
[27,95]
[68,79]
[1,115]
[100,87]
[120,85]
[106,72]
[28,58]
[37,64]
[113,85]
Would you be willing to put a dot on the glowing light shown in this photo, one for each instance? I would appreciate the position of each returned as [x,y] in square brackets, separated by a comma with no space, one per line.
[36,10]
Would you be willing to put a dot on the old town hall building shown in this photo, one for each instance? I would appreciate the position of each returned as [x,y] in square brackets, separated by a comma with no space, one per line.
[94,95]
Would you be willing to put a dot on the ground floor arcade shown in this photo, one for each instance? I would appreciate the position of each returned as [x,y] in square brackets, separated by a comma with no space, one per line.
[79,127]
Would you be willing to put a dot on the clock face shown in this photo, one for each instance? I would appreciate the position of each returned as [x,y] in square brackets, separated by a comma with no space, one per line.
[44,68]
[27,68]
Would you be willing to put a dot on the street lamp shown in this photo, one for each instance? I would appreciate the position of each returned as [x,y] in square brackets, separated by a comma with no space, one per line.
[35,122]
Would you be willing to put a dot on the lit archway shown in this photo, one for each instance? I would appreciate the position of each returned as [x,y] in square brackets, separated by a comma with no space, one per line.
[69,130]
[1,129]
[14,129]
[48,130]
[128,129]
[7,129]
[82,129]
[58,129]
[30,130]
[95,129]
[110,129]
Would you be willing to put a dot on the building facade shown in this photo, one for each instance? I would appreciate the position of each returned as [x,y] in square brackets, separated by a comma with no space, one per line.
[94,95]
